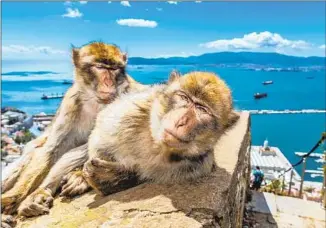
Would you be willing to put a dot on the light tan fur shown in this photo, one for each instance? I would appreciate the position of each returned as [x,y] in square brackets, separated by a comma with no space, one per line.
[131,136]
[99,78]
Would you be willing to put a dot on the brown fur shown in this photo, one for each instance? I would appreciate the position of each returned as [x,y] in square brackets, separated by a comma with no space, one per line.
[62,147]
[164,134]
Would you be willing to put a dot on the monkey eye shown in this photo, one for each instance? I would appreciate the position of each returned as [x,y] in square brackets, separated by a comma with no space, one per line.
[99,67]
[202,109]
[183,97]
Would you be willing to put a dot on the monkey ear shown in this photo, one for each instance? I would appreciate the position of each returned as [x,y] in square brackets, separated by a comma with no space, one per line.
[232,119]
[174,75]
[125,57]
[75,56]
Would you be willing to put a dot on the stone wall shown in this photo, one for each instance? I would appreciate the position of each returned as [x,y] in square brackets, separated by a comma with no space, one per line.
[214,201]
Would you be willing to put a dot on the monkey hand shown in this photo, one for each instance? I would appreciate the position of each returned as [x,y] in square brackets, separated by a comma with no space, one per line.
[7,221]
[99,174]
[37,203]
[108,177]
[74,184]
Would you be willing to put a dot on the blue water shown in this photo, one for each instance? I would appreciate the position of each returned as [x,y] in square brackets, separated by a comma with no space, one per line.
[291,90]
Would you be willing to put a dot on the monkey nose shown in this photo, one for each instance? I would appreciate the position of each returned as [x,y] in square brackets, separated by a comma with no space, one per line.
[182,121]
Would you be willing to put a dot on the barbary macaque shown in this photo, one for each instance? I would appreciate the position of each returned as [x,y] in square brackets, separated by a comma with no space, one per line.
[164,134]
[100,77]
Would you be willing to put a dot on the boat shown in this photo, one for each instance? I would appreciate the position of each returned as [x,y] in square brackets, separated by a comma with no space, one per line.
[267,82]
[260,95]
[46,97]
[66,82]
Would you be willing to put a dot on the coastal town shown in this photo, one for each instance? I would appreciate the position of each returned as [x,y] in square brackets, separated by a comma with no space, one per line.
[17,129]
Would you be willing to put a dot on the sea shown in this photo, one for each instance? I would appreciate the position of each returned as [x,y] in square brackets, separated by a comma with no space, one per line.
[24,82]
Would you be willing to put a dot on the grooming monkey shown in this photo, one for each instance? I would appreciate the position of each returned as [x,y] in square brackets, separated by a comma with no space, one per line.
[99,78]
[164,134]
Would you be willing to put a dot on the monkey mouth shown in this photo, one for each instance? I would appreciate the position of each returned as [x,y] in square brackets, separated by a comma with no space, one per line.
[105,98]
[172,139]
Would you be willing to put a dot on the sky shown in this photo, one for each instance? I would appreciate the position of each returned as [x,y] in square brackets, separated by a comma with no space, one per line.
[47,30]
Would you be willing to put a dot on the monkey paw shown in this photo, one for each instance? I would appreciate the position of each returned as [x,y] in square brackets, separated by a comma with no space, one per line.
[7,221]
[38,203]
[74,184]
[98,173]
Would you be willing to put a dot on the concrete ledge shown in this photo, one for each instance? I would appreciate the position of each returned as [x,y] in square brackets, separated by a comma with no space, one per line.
[213,201]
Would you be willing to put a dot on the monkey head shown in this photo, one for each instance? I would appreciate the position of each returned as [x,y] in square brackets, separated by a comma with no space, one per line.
[192,112]
[100,68]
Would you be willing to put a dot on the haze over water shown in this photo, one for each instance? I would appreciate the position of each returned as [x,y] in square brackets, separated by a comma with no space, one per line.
[291,90]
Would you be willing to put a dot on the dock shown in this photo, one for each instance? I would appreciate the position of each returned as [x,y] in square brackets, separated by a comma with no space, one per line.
[272,162]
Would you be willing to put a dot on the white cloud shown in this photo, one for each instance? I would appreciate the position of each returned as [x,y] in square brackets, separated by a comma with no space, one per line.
[322,46]
[20,49]
[172,2]
[137,23]
[197,1]
[159,9]
[83,2]
[72,13]
[67,3]
[255,40]
[125,3]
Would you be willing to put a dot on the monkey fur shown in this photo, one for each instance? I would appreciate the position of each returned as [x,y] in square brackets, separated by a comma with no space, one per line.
[100,77]
[164,134]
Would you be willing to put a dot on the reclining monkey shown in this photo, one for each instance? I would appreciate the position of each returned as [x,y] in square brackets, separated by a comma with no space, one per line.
[99,78]
[164,134]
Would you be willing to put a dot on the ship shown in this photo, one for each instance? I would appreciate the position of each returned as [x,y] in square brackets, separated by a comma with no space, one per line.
[267,82]
[46,97]
[260,95]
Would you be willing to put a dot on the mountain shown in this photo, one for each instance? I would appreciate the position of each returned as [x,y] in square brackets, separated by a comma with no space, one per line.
[266,59]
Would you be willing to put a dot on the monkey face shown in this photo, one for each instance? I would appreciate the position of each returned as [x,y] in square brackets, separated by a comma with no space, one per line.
[107,80]
[101,67]
[196,108]
[186,121]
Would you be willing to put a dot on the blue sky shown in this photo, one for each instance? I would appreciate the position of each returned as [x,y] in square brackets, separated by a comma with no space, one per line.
[40,30]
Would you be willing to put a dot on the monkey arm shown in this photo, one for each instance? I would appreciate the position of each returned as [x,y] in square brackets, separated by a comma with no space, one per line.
[68,162]
[41,199]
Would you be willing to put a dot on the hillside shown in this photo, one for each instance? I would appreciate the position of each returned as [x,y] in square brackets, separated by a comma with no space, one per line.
[266,59]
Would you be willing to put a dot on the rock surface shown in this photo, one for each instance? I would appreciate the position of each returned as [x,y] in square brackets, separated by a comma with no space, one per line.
[213,201]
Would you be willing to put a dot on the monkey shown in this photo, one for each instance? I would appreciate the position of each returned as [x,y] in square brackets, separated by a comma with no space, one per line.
[164,134]
[100,77]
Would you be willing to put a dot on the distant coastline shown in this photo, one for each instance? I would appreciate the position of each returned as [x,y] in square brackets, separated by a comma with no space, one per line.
[234,58]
